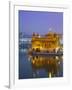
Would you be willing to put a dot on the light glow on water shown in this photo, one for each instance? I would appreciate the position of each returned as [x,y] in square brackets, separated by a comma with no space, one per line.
[39,66]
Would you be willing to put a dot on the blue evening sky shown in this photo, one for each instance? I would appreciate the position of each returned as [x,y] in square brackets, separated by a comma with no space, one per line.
[40,22]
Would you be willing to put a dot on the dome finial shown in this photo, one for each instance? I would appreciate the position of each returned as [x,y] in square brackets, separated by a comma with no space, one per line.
[50,29]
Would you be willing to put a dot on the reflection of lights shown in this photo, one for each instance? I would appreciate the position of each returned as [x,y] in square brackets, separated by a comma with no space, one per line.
[33,61]
[50,64]
[49,74]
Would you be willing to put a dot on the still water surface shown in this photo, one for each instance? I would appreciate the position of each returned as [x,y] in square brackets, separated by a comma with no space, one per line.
[39,66]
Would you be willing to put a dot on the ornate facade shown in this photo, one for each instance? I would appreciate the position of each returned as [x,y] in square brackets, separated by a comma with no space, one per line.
[49,42]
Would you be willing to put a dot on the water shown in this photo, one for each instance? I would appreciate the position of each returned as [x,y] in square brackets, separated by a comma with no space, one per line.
[39,66]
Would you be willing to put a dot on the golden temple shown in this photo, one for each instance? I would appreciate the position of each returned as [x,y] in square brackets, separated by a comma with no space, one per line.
[49,42]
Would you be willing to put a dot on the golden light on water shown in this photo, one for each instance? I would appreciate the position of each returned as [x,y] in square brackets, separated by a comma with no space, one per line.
[50,75]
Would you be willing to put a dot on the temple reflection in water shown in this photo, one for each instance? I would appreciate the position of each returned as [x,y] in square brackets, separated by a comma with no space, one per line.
[51,65]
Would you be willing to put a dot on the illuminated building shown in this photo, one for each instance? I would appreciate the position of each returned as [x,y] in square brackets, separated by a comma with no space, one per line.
[48,43]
